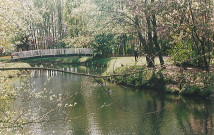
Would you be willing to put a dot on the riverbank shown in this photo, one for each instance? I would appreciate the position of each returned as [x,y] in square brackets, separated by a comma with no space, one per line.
[172,79]
[13,73]
[5,58]
[58,60]
[190,82]
[112,63]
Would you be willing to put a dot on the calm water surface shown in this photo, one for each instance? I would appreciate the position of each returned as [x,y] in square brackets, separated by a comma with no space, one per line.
[81,107]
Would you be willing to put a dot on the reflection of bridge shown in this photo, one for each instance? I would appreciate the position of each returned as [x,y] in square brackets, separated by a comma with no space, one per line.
[54,52]
[69,72]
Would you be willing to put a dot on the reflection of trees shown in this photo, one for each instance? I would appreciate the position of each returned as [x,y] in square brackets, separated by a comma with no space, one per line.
[194,118]
[41,100]
[182,117]
[73,84]
[133,118]
[155,119]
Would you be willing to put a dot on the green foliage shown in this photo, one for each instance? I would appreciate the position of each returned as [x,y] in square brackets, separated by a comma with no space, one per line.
[206,92]
[102,44]
[191,90]
[145,78]
[182,53]
[130,51]
[195,84]
[191,38]
[59,44]
[157,81]
[190,82]
[196,91]
[166,47]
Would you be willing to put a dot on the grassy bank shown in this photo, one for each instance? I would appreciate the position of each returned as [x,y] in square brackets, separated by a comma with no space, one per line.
[174,80]
[58,60]
[13,73]
[5,58]
[113,63]
[110,62]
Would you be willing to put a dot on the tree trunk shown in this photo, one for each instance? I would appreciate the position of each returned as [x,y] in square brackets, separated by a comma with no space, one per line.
[148,49]
[206,64]
[124,43]
[155,40]
[202,41]
[150,45]
[200,60]
[149,59]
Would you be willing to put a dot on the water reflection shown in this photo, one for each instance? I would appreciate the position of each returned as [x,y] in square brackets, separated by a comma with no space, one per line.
[195,118]
[43,73]
[93,111]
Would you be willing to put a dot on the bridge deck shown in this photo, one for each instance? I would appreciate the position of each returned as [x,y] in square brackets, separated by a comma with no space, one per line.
[53,52]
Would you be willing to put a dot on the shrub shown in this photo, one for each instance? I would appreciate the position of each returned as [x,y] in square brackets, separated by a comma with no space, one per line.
[129,51]
[156,81]
[191,90]
[206,92]
[197,91]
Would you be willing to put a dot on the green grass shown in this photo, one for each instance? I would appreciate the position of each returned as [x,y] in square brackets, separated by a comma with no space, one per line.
[59,60]
[116,62]
[5,58]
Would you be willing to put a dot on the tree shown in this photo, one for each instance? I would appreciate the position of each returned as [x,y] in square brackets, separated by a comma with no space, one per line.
[11,23]
[102,44]
[190,23]
[16,17]
[146,25]
[51,28]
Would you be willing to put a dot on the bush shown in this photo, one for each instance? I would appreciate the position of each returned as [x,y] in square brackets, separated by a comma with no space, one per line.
[130,51]
[206,92]
[59,44]
[102,44]
[156,81]
[197,91]
[191,90]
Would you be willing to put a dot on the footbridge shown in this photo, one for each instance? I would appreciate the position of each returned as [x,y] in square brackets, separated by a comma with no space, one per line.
[53,53]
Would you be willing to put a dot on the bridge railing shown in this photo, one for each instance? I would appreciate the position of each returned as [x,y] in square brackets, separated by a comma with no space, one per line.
[53,52]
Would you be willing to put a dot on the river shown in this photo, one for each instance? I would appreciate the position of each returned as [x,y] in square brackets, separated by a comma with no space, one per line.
[78,105]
